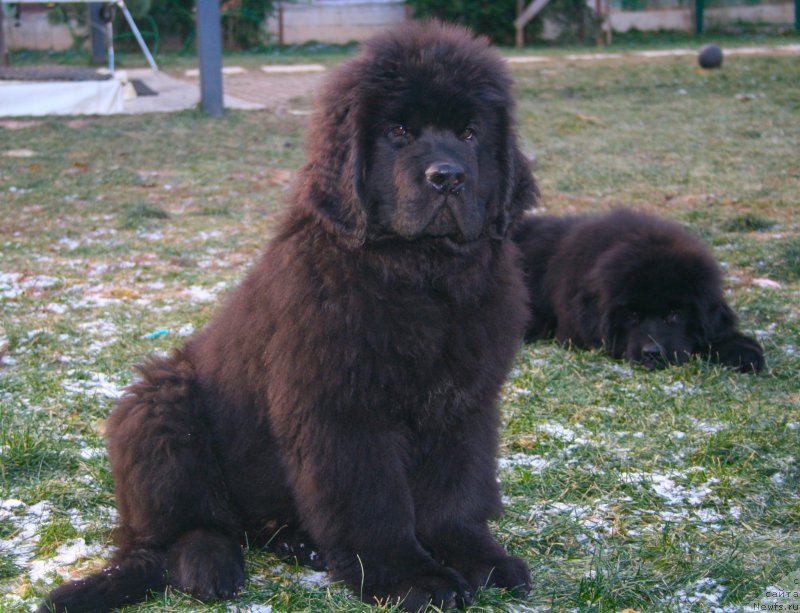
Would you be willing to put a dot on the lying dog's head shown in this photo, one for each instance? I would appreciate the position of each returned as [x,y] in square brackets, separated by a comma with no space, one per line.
[663,301]
[414,140]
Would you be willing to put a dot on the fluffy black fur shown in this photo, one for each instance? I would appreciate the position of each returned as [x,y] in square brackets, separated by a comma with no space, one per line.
[641,287]
[340,408]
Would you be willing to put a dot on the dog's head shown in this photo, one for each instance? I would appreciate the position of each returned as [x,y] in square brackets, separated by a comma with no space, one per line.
[414,138]
[663,302]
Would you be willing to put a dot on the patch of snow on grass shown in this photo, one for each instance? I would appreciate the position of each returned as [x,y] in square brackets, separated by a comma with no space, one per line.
[104,333]
[672,492]
[67,554]
[250,608]
[303,576]
[314,578]
[204,294]
[523,459]
[54,307]
[514,391]
[705,426]
[9,288]
[706,594]
[95,302]
[562,433]
[70,244]
[620,368]
[679,386]
[88,453]
[21,545]
[185,330]
[39,282]
[97,384]
[26,519]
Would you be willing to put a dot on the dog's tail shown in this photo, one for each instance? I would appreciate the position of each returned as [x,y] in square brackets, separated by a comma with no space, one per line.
[129,579]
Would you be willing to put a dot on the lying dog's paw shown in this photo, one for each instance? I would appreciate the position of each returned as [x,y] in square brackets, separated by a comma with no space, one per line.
[505,572]
[444,588]
[740,352]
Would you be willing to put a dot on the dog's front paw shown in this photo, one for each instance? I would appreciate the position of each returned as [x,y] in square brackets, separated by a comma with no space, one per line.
[504,572]
[294,546]
[206,565]
[443,588]
[740,352]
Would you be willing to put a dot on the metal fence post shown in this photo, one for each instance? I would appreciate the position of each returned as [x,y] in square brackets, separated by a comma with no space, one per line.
[797,15]
[3,50]
[97,28]
[209,51]
[699,6]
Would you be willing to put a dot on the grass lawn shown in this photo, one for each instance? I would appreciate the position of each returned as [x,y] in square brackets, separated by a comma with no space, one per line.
[625,489]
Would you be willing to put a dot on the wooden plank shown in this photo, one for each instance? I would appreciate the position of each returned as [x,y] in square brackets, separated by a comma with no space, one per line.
[529,13]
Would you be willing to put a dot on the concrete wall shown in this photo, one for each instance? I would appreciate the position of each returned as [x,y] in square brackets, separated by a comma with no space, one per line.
[33,31]
[683,18]
[336,22]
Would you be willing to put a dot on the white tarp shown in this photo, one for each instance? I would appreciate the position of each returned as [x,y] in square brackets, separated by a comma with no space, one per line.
[18,98]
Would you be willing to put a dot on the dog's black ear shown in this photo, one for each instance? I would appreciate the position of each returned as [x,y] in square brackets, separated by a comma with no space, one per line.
[717,321]
[520,194]
[613,326]
[331,180]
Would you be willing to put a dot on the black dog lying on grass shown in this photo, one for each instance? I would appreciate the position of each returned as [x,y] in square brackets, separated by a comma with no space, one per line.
[641,287]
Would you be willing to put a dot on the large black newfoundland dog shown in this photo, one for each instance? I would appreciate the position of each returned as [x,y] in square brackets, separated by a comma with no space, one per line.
[344,399]
[641,287]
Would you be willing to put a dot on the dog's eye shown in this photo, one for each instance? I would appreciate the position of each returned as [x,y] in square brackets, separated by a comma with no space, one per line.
[468,133]
[398,131]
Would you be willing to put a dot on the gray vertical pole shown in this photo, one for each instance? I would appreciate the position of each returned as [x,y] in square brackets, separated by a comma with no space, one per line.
[3,51]
[209,51]
[97,27]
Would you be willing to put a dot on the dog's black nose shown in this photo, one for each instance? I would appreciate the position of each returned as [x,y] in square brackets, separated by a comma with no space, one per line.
[445,176]
[653,355]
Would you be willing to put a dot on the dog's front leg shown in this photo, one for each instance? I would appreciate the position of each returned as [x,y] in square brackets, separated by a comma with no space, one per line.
[350,481]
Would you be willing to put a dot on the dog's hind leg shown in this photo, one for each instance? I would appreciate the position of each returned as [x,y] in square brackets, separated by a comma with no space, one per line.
[172,500]
[169,486]
[137,573]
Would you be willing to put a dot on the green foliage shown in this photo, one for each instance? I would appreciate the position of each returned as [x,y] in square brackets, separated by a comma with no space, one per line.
[494,19]
[748,222]
[574,18]
[174,17]
[575,21]
[8,568]
[75,17]
[784,261]
[242,21]
[138,213]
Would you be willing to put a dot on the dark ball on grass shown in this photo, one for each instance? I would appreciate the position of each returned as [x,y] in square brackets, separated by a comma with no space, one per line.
[710,56]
